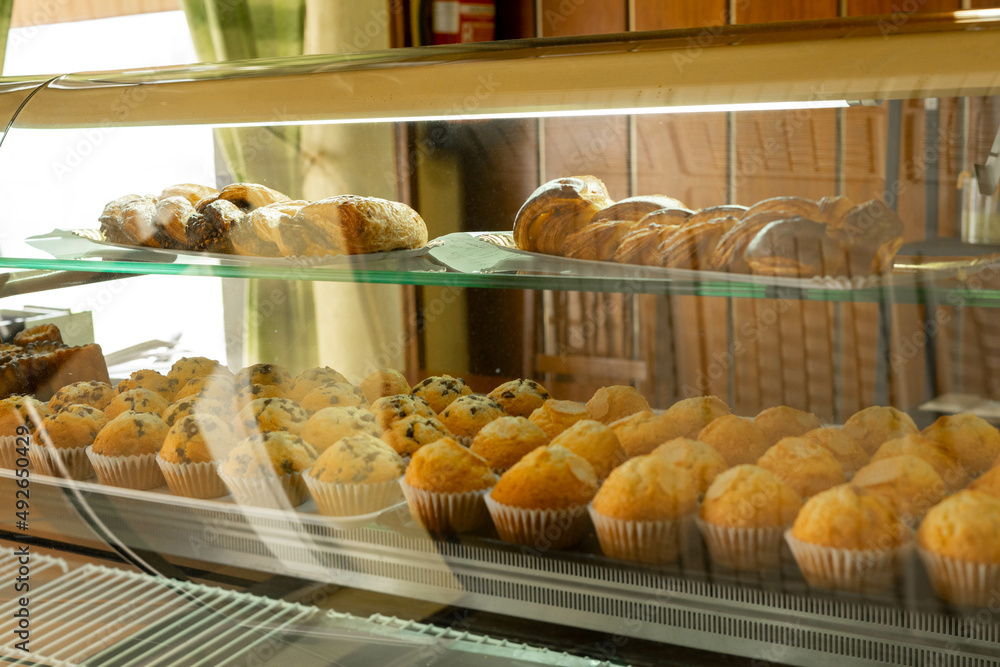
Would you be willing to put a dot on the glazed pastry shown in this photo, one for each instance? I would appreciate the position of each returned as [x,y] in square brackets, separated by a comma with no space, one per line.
[793,206]
[716,212]
[634,209]
[557,209]
[171,220]
[796,247]
[874,233]
[256,234]
[692,246]
[191,192]
[833,210]
[351,225]
[209,230]
[111,219]
[245,196]
[729,251]
[639,245]
[42,333]
[598,240]
[137,222]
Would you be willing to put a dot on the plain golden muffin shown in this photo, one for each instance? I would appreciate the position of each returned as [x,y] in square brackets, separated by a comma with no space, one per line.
[699,459]
[73,427]
[503,442]
[785,422]
[387,382]
[358,459]
[521,397]
[988,482]
[209,387]
[18,411]
[440,390]
[467,415]
[844,448]
[548,478]
[965,526]
[911,484]
[131,434]
[643,432]
[265,454]
[409,434]
[595,442]
[554,416]
[149,379]
[313,378]
[849,517]
[264,374]
[252,392]
[194,405]
[876,424]
[737,438]
[197,439]
[329,425]
[186,369]
[609,404]
[647,488]
[444,466]
[272,414]
[390,408]
[939,454]
[333,395]
[690,415]
[804,465]
[94,393]
[136,400]
[747,496]
[976,443]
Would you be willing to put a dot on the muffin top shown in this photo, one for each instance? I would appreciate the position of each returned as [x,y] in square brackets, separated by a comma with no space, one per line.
[333,395]
[444,466]
[783,421]
[940,454]
[689,416]
[264,374]
[197,438]
[88,392]
[876,424]
[747,496]
[272,414]
[643,432]
[737,438]
[271,453]
[410,433]
[131,434]
[965,526]
[390,408]
[440,390]
[909,483]
[975,441]
[252,392]
[849,517]
[804,465]
[595,442]
[467,415]
[844,448]
[609,404]
[18,411]
[149,379]
[358,459]
[647,488]
[194,405]
[519,398]
[136,400]
[554,416]
[186,369]
[72,427]
[387,382]
[504,441]
[988,482]
[550,477]
[212,387]
[699,459]
[313,378]
[329,425]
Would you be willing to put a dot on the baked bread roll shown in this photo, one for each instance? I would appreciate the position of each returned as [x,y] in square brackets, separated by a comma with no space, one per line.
[171,220]
[111,219]
[833,210]
[692,246]
[137,221]
[873,234]
[256,233]
[209,230]
[794,206]
[730,250]
[796,247]
[639,245]
[636,208]
[351,225]
[245,196]
[598,240]
[713,212]
[557,209]
[192,192]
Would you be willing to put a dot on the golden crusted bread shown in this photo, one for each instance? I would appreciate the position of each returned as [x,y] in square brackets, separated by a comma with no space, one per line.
[637,208]
[804,465]
[72,427]
[609,404]
[737,438]
[690,415]
[876,424]
[312,378]
[264,374]
[149,379]
[849,517]
[386,382]
[849,454]
[186,369]
[244,196]
[192,192]
[939,453]
[642,432]
[267,454]
[197,438]
[271,414]
[413,432]
[598,241]
[467,415]
[975,441]
[554,416]
[647,488]
[358,459]
[965,526]
[746,496]
[131,434]
[548,478]
[557,209]
[521,397]
[797,247]
[329,425]
[504,441]
[640,244]
[440,390]
[136,400]
[390,408]
[699,459]
[94,393]
[783,421]
[332,395]
[595,442]
[910,483]
[252,392]
[444,466]
[18,411]
[194,405]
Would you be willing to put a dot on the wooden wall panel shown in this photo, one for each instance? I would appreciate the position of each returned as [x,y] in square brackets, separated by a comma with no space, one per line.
[767,11]
[872,7]
[659,15]
[562,18]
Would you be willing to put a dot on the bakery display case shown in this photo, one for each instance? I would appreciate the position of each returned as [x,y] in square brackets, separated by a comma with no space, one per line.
[463,232]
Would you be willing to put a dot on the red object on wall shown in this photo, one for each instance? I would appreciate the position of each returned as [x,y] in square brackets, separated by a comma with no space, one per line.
[457,21]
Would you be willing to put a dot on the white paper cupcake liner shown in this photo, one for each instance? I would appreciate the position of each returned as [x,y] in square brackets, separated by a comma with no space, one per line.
[334,499]
[130,472]
[446,512]
[864,570]
[962,582]
[653,542]
[539,529]
[275,491]
[8,451]
[70,463]
[743,549]
[192,480]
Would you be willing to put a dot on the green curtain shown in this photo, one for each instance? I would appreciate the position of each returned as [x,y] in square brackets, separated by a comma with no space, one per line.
[280,315]
[6,7]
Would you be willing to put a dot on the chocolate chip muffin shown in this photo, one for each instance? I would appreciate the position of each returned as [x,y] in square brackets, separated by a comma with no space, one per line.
[467,415]
[519,398]
[440,390]
[89,392]
[271,414]
[329,425]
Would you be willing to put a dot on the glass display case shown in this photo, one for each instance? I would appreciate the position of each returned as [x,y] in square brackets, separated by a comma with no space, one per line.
[901,112]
